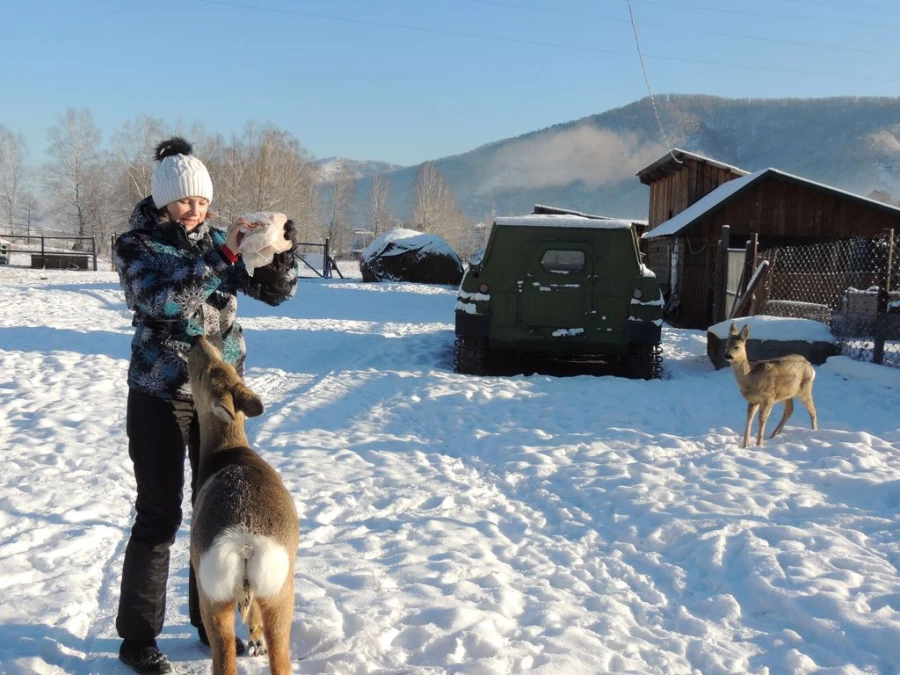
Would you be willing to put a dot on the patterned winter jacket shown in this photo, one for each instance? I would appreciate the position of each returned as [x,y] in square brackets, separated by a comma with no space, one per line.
[179,286]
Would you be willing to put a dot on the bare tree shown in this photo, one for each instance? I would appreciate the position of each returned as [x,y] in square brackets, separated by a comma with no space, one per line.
[229,171]
[338,201]
[263,169]
[74,144]
[30,212]
[103,201]
[133,146]
[379,213]
[306,208]
[434,206]
[12,173]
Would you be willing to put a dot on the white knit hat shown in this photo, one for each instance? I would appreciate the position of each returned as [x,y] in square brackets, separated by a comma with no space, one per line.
[178,174]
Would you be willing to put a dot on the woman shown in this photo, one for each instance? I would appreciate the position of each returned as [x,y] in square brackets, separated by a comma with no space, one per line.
[180,279]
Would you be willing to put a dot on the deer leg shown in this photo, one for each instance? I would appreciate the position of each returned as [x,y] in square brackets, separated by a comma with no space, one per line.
[277,614]
[807,400]
[218,619]
[764,410]
[257,645]
[751,412]
[788,410]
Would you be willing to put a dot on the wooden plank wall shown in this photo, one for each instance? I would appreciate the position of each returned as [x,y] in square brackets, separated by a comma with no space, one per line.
[672,194]
[778,210]
[658,260]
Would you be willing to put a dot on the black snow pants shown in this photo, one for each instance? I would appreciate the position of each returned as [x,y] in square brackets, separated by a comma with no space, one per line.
[158,431]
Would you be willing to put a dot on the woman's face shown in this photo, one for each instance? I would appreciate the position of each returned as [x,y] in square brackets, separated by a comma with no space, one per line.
[190,211]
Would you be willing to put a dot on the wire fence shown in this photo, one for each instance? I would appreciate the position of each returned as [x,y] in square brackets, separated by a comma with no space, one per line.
[852,285]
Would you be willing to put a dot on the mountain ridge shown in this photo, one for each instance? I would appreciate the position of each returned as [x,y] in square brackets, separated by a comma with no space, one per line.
[589,164]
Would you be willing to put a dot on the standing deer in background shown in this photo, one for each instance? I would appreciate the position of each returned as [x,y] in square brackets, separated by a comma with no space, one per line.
[244,531]
[765,383]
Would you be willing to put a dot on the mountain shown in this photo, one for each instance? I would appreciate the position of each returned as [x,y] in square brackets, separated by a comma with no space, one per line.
[590,164]
[330,167]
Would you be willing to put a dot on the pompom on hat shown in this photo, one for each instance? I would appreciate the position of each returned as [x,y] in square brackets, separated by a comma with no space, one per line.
[179,174]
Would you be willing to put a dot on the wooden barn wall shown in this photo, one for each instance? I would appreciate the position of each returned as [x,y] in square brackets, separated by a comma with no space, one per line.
[658,259]
[672,194]
[696,281]
[780,210]
[781,213]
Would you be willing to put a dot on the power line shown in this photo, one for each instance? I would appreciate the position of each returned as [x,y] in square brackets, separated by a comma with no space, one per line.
[590,15]
[744,12]
[760,38]
[537,43]
[852,5]
[420,29]
[637,44]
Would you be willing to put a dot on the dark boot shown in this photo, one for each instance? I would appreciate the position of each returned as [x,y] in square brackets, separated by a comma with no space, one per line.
[144,657]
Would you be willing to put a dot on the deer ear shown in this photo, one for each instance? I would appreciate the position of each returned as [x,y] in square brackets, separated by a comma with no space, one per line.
[733,330]
[246,401]
[223,412]
[745,332]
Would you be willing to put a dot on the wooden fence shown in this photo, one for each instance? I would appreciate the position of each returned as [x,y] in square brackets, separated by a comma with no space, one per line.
[81,255]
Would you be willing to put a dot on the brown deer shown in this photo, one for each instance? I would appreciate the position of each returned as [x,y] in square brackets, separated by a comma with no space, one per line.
[244,531]
[765,383]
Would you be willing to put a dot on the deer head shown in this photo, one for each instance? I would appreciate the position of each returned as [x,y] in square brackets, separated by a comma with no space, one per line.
[216,386]
[736,346]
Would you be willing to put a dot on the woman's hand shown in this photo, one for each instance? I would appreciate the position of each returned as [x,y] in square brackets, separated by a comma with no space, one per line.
[235,234]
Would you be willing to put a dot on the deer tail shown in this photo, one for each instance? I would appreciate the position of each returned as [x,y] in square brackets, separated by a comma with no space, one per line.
[245,600]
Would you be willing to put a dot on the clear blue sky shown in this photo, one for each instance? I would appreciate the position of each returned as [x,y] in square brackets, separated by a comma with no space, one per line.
[406,81]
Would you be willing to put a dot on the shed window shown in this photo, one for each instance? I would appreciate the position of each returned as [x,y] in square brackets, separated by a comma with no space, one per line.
[563,262]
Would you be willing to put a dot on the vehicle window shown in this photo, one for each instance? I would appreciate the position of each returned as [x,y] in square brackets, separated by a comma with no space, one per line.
[563,262]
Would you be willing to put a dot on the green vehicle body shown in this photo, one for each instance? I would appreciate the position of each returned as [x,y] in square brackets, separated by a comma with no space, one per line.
[560,282]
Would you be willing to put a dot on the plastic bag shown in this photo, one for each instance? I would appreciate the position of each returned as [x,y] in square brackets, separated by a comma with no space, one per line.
[263,238]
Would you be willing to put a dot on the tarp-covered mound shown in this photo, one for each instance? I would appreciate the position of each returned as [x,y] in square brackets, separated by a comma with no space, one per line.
[407,255]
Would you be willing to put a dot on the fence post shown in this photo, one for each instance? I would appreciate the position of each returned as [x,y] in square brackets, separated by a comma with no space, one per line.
[890,260]
[743,303]
[880,328]
[754,252]
[326,267]
[721,277]
[749,265]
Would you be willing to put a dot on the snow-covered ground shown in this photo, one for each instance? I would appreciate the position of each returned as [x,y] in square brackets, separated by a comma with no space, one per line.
[453,524]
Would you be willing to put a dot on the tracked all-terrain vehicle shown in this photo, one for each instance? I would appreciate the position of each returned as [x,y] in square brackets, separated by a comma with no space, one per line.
[560,283]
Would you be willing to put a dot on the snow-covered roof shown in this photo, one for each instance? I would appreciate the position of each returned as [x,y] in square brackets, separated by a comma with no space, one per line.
[571,221]
[677,154]
[710,202]
[705,204]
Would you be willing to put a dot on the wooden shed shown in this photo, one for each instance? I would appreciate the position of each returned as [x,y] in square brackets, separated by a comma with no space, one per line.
[692,197]
[677,180]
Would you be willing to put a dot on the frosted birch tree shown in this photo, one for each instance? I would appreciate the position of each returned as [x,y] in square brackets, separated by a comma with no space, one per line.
[434,206]
[12,176]
[69,175]
[30,212]
[380,215]
[133,148]
[338,203]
